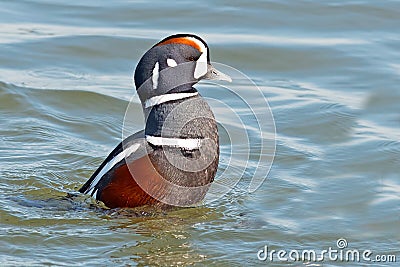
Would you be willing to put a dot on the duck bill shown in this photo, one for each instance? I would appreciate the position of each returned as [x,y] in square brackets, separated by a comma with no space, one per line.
[214,74]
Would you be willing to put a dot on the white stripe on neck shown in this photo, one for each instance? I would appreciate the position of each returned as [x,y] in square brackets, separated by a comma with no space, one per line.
[156,100]
[189,143]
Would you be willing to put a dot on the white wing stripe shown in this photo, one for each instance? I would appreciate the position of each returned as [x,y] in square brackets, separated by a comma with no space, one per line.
[125,153]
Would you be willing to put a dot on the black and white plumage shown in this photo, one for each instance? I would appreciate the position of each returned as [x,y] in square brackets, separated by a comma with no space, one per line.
[174,159]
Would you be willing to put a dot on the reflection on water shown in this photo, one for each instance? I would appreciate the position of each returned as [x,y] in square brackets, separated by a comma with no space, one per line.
[330,72]
[164,239]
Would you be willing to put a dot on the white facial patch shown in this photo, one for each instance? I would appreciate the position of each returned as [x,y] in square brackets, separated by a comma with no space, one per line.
[201,66]
[171,63]
[154,77]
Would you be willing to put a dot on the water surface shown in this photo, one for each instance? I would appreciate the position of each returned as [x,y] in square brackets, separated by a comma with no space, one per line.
[329,69]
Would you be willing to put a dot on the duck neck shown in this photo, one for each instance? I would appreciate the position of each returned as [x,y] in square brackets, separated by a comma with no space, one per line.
[167,114]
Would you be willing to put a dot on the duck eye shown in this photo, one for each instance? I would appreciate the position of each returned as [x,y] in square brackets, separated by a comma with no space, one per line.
[191,59]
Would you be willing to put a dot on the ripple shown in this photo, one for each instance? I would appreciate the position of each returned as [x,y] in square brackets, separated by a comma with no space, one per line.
[329,71]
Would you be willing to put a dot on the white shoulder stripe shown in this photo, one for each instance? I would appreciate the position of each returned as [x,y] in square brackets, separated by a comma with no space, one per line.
[156,100]
[125,153]
[189,143]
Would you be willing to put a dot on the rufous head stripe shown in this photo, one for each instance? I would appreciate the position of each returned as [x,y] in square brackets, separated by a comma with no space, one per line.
[182,40]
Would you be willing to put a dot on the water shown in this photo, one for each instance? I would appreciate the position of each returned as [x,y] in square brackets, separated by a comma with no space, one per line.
[329,69]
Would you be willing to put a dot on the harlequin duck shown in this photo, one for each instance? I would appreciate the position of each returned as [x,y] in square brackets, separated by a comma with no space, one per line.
[173,161]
